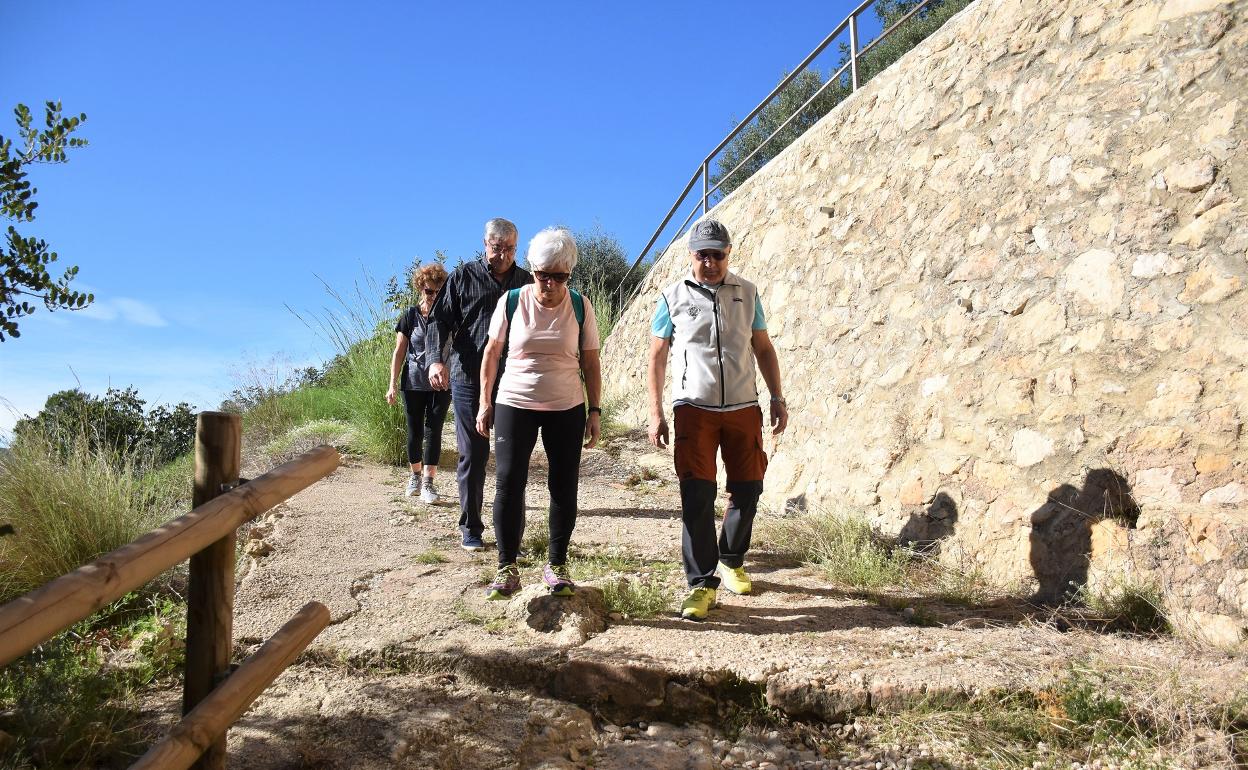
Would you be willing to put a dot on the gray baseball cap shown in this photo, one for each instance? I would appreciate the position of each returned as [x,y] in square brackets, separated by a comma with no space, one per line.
[709,234]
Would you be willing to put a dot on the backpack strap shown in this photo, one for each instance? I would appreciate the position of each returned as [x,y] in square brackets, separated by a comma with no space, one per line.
[578,309]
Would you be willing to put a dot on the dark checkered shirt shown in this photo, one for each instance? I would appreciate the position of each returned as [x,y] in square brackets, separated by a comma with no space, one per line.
[462,311]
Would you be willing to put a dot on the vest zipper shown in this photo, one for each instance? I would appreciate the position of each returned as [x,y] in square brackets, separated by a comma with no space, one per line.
[719,349]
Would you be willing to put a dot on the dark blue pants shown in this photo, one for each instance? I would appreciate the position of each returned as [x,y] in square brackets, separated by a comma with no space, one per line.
[474,454]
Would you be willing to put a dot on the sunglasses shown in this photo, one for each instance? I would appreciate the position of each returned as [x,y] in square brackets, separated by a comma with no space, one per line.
[427,290]
[556,277]
[715,254]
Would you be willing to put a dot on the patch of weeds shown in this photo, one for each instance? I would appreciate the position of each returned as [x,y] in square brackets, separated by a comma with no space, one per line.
[636,598]
[493,624]
[602,562]
[430,557]
[1128,605]
[842,546]
[648,474]
[72,701]
[1075,721]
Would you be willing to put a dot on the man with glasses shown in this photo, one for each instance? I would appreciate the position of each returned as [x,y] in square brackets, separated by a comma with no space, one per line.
[462,312]
[712,323]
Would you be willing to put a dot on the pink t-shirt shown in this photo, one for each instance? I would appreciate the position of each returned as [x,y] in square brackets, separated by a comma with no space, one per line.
[543,370]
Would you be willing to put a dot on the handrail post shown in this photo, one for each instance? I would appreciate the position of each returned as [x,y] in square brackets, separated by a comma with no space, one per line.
[853,50]
[706,184]
[210,595]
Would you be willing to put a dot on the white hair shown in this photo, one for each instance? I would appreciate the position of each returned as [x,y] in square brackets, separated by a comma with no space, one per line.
[500,228]
[553,250]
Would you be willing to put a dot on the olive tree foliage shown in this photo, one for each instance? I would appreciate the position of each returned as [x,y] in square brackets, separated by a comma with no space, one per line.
[601,265]
[117,422]
[789,102]
[24,261]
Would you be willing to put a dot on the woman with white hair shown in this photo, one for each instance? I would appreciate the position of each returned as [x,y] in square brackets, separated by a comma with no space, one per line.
[550,338]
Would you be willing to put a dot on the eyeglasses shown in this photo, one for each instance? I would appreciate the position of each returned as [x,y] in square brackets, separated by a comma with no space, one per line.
[556,277]
[501,248]
[715,254]
[428,290]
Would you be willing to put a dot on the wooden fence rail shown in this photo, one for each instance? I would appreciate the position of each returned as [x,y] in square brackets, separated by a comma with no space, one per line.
[206,536]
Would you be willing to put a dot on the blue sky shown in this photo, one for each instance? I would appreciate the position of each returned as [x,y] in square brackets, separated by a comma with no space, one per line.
[240,150]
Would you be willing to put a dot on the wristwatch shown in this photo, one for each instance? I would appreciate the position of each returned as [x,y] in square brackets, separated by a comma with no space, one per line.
[780,401]
[593,409]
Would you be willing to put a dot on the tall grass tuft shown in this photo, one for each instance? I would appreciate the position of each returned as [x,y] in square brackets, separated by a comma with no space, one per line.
[606,308]
[843,546]
[360,329]
[71,503]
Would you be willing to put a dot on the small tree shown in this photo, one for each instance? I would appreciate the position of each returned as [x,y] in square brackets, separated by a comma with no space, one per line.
[24,261]
[115,423]
[601,264]
[808,83]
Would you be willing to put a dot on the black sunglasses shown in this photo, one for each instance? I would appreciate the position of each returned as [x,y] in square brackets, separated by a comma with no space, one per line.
[427,290]
[714,254]
[556,277]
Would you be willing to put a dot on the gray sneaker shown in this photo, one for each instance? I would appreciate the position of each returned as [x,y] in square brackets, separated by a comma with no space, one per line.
[428,494]
[413,485]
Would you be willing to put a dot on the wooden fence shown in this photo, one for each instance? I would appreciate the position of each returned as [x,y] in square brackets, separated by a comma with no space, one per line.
[213,697]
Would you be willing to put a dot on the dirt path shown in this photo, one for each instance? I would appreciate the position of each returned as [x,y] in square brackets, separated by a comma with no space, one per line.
[417,669]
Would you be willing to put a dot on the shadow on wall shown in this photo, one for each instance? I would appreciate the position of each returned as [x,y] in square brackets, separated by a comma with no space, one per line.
[924,531]
[1061,531]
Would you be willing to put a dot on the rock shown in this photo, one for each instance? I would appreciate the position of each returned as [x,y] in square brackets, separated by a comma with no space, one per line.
[569,619]
[1152,265]
[1191,175]
[1219,123]
[1217,629]
[1094,278]
[1176,9]
[1030,447]
[257,548]
[1228,494]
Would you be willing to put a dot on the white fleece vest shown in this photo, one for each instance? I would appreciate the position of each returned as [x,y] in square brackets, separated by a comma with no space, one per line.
[712,354]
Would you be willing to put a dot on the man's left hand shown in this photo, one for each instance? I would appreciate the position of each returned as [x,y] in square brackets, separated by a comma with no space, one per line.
[779,417]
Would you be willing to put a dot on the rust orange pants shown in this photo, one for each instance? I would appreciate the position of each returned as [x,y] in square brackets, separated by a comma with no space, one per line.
[701,434]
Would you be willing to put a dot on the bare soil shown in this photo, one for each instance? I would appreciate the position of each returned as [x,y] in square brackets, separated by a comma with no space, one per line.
[418,669]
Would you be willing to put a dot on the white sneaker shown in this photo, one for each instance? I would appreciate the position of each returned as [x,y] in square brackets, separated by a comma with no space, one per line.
[413,485]
[428,494]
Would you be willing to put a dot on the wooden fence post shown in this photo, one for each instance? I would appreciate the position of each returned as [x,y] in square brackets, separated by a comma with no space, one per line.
[210,595]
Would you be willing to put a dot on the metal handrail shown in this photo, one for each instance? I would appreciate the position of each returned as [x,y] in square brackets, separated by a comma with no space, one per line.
[703,170]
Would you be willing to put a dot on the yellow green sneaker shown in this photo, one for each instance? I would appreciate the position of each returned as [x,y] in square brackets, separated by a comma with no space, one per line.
[734,579]
[697,603]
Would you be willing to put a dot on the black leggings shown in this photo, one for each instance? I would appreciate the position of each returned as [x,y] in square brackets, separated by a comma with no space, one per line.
[428,407]
[515,435]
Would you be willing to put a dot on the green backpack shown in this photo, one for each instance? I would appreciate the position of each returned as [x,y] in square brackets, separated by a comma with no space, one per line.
[578,309]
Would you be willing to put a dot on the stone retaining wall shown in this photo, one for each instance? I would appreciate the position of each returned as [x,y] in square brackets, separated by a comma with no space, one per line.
[1005,282]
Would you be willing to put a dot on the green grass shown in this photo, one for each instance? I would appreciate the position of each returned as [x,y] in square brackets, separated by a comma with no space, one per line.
[842,546]
[636,597]
[68,508]
[305,436]
[1127,605]
[536,542]
[73,701]
[276,415]
[430,557]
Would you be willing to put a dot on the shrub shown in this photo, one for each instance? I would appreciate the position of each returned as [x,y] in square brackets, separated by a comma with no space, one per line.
[805,85]
[115,422]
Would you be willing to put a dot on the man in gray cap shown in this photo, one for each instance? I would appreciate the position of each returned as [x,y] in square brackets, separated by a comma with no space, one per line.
[712,323]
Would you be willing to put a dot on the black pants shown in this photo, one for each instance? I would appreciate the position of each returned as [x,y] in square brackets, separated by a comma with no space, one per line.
[425,408]
[699,548]
[515,435]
